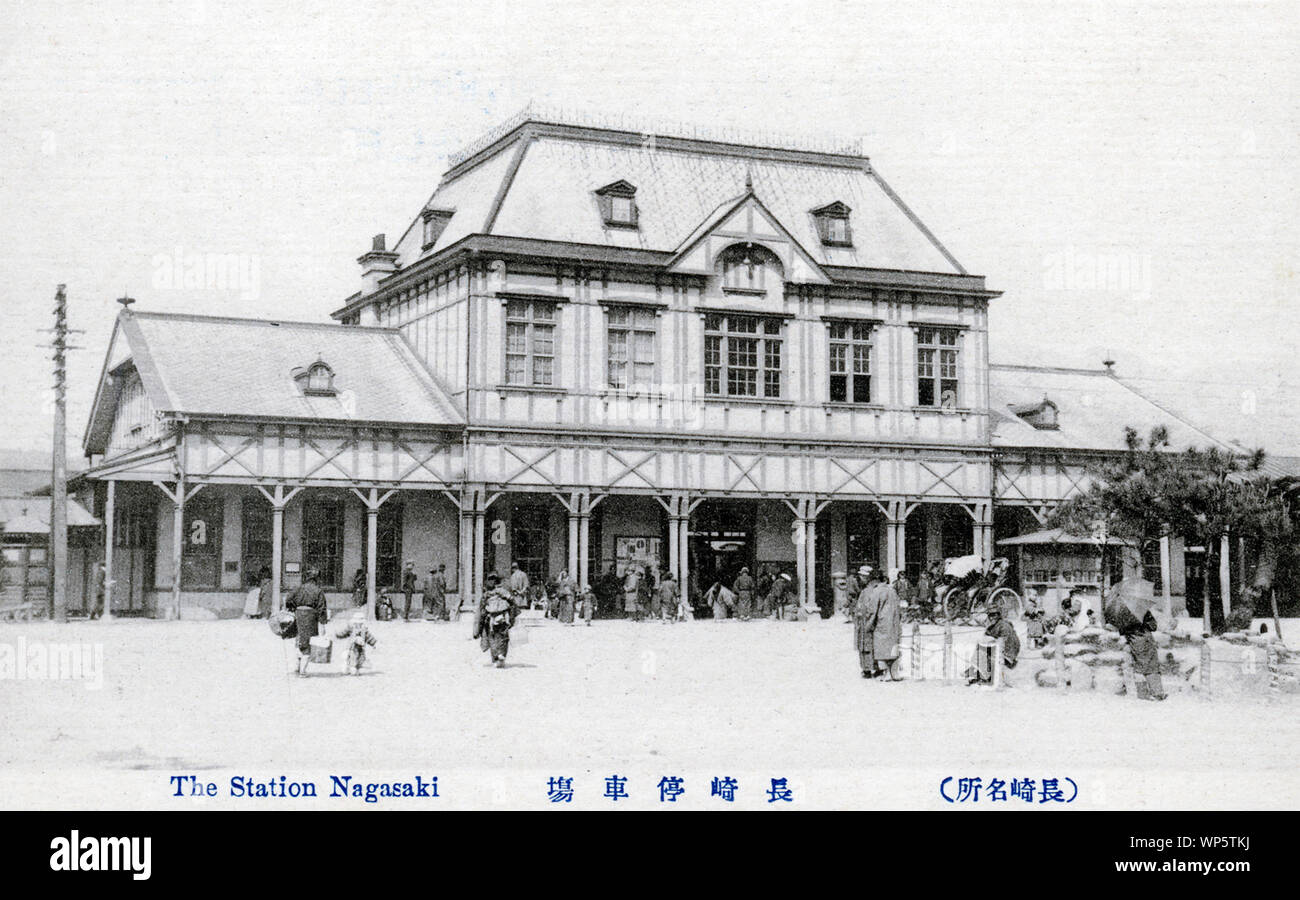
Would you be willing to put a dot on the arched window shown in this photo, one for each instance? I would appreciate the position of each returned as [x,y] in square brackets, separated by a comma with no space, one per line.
[316,379]
[744,268]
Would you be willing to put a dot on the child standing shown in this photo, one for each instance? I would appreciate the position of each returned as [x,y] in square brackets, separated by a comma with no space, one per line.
[359,637]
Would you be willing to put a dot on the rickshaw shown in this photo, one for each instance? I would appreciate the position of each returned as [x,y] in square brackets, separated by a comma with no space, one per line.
[968,589]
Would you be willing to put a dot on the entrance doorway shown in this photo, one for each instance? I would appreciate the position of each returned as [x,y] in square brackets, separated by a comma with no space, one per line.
[722,540]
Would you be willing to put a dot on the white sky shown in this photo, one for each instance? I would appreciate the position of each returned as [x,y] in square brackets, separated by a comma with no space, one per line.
[1032,138]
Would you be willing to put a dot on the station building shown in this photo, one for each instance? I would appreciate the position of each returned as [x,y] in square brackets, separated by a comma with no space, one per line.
[593,345]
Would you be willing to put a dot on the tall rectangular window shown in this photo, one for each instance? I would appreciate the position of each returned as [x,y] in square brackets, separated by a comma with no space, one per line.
[322,538]
[742,356]
[936,367]
[630,346]
[255,540]
[850,362]
[530,343]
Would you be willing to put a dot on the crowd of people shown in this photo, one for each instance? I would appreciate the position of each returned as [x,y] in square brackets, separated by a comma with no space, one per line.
[872,602]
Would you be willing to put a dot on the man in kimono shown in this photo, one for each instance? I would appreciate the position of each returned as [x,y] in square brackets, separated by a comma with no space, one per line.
[518,583]
[409,585]
[310,611]
[779,596]
[666,597]
[744,591]
[435,592]
[631,592]
[998,627]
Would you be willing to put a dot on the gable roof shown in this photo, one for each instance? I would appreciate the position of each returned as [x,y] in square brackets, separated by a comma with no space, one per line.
[211,366]
[1094,407]
[31,515]
[538,181]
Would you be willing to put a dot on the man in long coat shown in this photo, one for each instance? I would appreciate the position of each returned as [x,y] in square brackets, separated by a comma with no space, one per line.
[864,628]
[744,590]
[887,628]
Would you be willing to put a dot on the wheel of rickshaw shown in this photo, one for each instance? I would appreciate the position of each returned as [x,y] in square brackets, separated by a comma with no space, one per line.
[1008,599]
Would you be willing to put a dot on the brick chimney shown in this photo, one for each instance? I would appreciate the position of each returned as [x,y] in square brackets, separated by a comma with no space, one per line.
[375,265]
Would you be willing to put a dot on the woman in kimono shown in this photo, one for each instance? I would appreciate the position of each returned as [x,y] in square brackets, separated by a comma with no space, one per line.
[495,618]
[564,591]
[310,612]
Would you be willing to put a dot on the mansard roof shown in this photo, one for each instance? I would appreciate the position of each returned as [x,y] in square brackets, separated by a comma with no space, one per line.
[219,367]
[537,181]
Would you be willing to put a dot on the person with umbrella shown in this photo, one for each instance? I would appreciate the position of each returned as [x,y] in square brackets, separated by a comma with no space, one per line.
[1142,647]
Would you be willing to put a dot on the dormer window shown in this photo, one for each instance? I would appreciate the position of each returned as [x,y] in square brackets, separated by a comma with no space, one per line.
[618,204]
[833,225]
[435,222]
[316,380]
[1042,415]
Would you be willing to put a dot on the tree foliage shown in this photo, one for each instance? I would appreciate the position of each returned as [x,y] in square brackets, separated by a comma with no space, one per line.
[1150,491]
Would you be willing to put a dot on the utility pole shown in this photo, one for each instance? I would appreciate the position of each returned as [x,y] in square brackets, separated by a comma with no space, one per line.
[59,485]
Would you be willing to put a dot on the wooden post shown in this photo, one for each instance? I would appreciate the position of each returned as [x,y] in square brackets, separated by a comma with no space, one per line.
[812,558]
[1166,577]
[584,545]
[918,670]
[1205,667]
[947,646]
[996,668]
[572,507]
[684,542]
[109,524]
[372,501]
[1274,673]
[278,500]
[466,580]
[277,551]
[1225,576]
[372,555]
[178,544]
[480,577]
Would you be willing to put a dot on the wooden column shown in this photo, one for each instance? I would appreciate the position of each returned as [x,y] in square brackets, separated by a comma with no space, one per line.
[109,523]
[1166,591]
[584,543]
[278,499]
[575,530]
[684,543]
[810,548]
[372,501]
[178,543]
[466,580]
[1225,575]
[480,577]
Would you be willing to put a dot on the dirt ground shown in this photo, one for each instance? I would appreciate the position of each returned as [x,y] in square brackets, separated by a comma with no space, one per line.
[753,701]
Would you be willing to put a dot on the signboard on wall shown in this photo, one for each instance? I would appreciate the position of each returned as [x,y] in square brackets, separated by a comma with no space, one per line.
[642,551]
